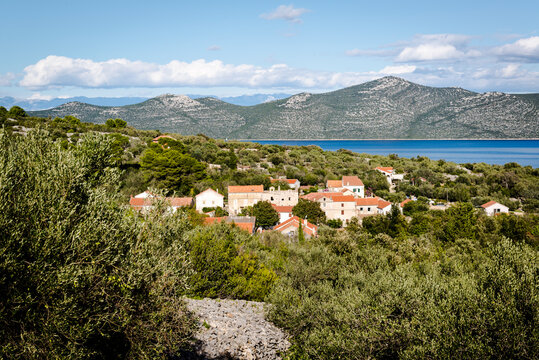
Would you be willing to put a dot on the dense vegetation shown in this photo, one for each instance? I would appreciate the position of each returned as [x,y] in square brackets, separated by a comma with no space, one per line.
[82,276]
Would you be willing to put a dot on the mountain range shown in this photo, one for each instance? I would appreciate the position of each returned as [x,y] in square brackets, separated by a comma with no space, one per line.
[43,104]
[386,108]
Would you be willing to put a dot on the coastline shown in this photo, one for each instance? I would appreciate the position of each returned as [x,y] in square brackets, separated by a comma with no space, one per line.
[445,139]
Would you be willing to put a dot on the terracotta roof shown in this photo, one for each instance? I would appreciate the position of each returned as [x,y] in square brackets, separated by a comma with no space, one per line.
[382,204]
[319,195]
[245,223]
[351,181]
[489,204]
[405,202]
[181,201]
[289,181]
[162,136]
[283,209]
[175,202]
[211,191]
[308,228]
[343,198]
[245,189]
[140,201]
[385,169]
[334,183]
[367,201]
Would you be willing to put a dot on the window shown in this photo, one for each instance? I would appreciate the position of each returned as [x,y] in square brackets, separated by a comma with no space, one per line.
[272,198]
[360,209]
[368,209]
[342,204]
[342,212]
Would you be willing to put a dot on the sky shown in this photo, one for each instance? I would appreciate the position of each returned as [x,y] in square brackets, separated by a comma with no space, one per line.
[119,48]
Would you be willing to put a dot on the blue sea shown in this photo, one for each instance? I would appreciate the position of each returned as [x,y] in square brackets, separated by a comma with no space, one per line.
[523,152]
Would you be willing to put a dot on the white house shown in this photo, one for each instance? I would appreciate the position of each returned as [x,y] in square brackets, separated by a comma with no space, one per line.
[390,174]
[348,185]
[285,212]
[493,208]
[209,198]
[384,207]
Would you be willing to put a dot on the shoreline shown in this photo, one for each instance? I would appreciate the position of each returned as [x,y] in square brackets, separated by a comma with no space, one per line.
[448,139]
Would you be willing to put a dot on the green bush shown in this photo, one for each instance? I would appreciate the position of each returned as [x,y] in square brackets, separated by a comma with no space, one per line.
[79,276]
[221,270]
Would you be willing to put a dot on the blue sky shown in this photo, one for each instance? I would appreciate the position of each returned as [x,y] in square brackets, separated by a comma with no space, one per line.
[140,48]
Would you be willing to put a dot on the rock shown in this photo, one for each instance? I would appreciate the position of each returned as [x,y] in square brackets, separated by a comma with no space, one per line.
[237,330]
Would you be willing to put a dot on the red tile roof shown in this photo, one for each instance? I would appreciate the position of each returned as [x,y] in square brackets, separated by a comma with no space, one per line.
[283,209]
[246,189]
[367,201]
[182,201]
[351,181]
[382,204]
[315,196]
[289,181]
[308,228]
[247,225]
[173,201]
[405,202]
[490,203]
[334,183]
[385,169]
[343,198]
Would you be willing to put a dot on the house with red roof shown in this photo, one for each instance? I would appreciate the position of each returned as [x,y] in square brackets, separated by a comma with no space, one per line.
[493,208]
[145,202]
[285,212]
[351,184]
[246,223]
[291,227]
[384,207]
[242,196]
[390,174]
[367,207]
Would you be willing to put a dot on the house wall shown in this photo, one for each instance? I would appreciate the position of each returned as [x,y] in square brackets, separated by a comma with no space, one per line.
[281,197]
[343,210]
[239,201]
[496,209]
[208,199]
[283,216]
[357,191]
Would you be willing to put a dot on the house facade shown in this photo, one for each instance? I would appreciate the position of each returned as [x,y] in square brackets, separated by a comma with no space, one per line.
[294,184]
[209,198]
[145,202]
[285,212]
[281,197]
[348,184]
[493,208]
[242,196]
[390,175]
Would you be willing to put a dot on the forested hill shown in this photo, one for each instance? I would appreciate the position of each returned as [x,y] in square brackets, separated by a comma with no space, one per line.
[389,107]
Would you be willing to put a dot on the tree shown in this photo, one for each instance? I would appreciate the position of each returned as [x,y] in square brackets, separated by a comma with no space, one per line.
[310,210]
[265,214]
[3,112]
[171,168]
[335,223]
[16,112]
[460,222]
[116,123]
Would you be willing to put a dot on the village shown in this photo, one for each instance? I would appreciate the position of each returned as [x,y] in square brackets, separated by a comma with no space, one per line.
[340,200]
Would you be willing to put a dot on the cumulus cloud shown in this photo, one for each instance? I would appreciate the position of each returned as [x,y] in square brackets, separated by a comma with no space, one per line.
[436,47]
[60,71]
[286,12]
[526,49]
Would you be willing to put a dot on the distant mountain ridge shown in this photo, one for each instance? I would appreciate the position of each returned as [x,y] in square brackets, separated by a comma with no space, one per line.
[389,107]
[44,104]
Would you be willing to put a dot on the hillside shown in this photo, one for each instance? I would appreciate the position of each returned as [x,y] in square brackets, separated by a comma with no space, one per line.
[389,107]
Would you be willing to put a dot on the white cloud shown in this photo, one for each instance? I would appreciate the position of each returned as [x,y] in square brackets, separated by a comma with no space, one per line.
[7,79]
[214,48]
[398,69]
[286,12]
[524,49]
[38,96]
[426,52]
[60,71]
